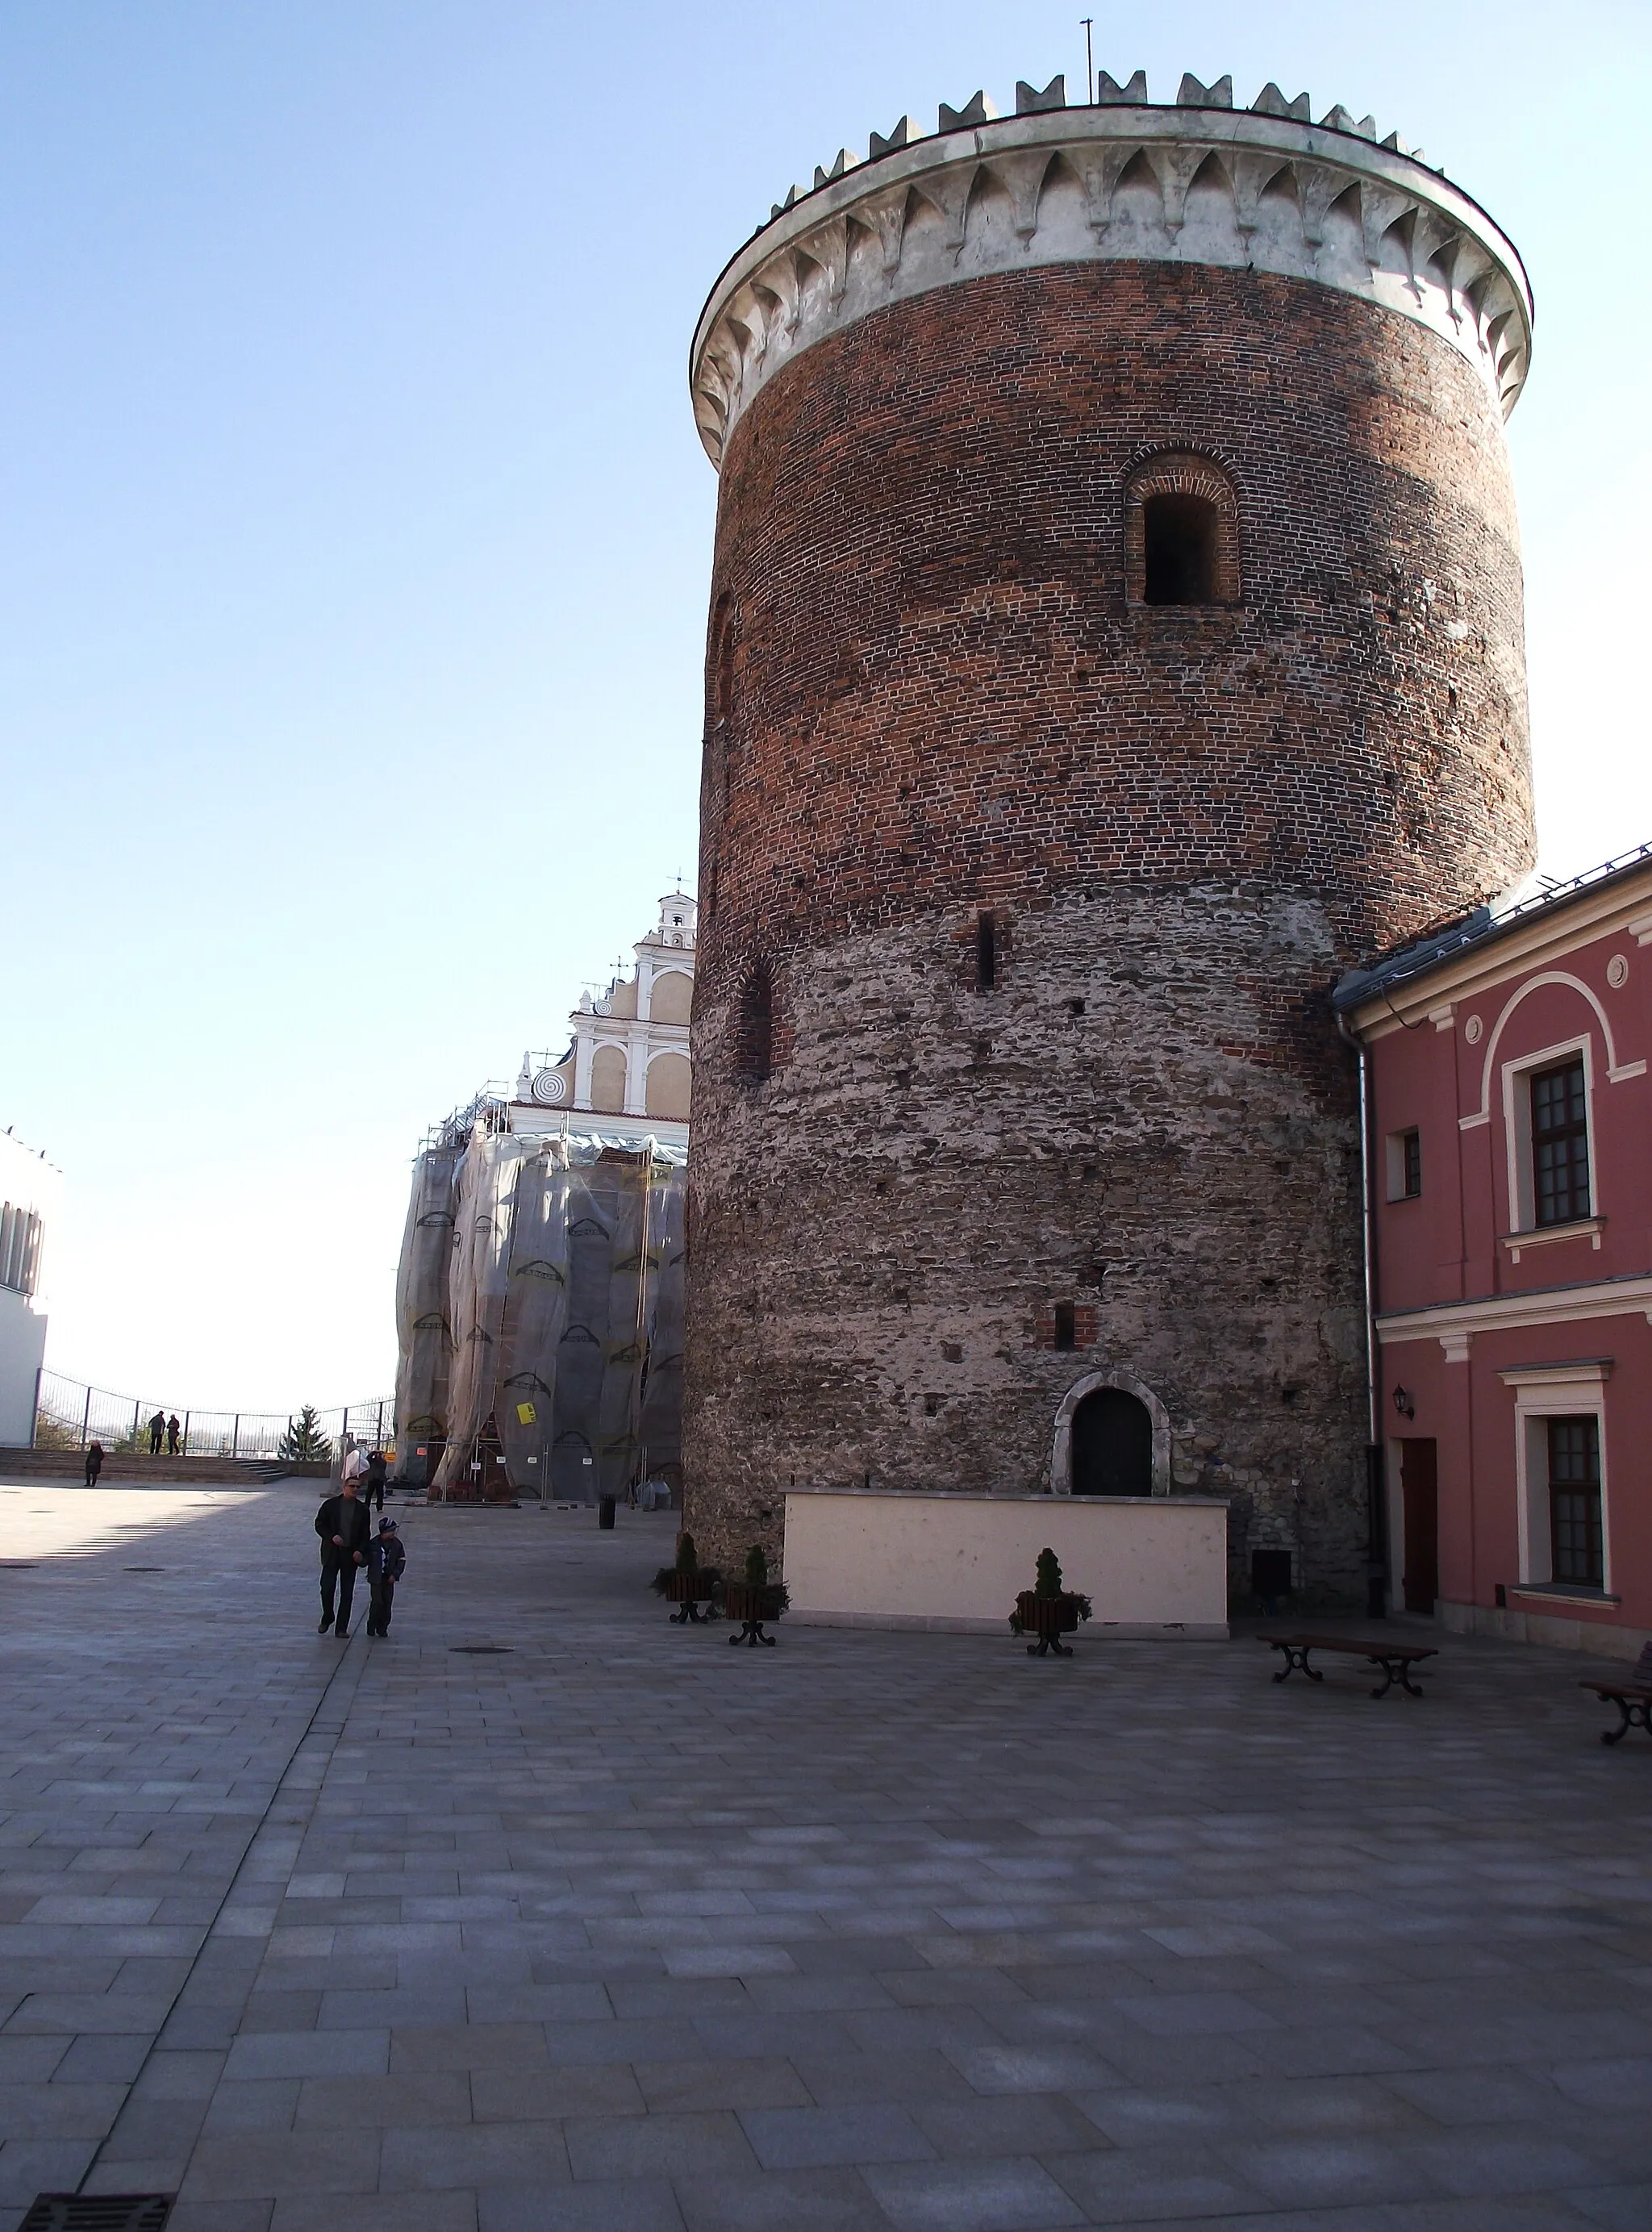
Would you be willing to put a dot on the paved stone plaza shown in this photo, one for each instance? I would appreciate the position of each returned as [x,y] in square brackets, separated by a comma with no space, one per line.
[628,1931]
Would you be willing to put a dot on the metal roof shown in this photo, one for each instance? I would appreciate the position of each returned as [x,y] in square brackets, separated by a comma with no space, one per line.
[1481,927]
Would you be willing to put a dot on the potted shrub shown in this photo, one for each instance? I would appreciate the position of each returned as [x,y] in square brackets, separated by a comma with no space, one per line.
[687,1584]
[753,1600]
[1047,1610]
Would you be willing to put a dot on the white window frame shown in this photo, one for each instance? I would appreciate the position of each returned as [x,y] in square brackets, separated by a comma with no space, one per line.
[1543,1391]
[1517,1130]
[1395,1147]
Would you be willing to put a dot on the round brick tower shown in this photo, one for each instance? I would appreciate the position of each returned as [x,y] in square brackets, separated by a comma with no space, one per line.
[1116,634]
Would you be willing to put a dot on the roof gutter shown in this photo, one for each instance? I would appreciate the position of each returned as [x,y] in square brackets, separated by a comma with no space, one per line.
[1376,1500]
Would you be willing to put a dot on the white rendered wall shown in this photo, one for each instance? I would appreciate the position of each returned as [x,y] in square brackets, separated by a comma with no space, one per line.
[1150,1566]
[28,1181]
[22,1346]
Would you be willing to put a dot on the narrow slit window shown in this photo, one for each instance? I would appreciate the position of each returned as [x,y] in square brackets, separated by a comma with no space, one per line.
[754,1051]
[986,952]
[1560,1143]
[1179,550]
[1065,1326]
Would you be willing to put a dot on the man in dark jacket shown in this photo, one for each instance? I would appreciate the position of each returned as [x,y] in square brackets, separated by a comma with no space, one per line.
[343,1526]
[386,1561]
[374,1484]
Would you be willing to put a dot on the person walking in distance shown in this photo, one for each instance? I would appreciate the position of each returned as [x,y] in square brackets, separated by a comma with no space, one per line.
[342,1524]
[94,1463]
[173,1430]
[374,1484]
[387,1562]
[157,1432]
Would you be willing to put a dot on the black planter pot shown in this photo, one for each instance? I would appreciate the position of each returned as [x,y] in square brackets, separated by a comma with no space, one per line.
[1048,1619]
[688,1592]
[751,1604]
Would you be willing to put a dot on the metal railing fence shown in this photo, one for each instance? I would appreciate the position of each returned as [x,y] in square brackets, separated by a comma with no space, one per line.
[69,1413]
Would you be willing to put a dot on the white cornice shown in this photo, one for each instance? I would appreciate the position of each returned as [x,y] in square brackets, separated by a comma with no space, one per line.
[1066,185]
[1455,1324]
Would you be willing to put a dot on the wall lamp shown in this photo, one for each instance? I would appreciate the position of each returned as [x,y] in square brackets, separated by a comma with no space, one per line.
[1403,1403]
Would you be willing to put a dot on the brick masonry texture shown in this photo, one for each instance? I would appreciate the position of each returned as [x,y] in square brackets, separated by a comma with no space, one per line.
[934,699]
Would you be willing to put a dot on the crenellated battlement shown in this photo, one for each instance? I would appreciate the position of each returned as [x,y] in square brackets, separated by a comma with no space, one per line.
[1196,181]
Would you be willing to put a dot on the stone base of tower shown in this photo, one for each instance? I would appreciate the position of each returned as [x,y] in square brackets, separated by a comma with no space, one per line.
[954,1216]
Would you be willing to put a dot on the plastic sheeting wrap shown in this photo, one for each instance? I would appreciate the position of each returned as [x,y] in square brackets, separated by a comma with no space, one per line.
[424,1337]
[564,1317]
[535,1317]
[662,1387]
[484,1189]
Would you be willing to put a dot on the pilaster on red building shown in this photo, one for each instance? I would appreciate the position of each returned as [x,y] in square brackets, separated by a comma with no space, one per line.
[1509,1111]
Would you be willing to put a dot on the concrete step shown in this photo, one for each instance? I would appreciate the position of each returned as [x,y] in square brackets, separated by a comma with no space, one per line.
[70,1464]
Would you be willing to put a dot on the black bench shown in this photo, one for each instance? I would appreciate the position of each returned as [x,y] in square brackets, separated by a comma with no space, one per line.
[1633,1699]
[1395,1659]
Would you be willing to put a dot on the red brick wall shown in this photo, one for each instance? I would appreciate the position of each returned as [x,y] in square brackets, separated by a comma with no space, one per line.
[1187,822]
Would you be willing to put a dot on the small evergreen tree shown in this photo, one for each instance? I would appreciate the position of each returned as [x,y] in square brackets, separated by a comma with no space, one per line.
[1048,1588]
[687,1568]
[1048,1583]
[757,1567]
[304,1442]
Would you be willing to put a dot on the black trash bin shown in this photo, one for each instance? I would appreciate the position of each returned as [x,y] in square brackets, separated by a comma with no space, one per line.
[606,1512]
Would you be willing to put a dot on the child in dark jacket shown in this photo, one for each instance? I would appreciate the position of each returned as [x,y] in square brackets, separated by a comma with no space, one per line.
[387,1562]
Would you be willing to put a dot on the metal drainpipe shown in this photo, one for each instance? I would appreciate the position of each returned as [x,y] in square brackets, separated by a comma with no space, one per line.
[1376,1529]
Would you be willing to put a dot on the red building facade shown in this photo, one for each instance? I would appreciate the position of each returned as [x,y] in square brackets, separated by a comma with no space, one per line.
[1510,1258]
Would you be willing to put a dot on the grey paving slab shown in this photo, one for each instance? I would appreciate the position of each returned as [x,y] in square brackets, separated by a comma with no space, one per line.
[815,2138]
[670,2143]
[624,1932]
[620,2205]
[426,2158]
[1012,2195]
[802,2201]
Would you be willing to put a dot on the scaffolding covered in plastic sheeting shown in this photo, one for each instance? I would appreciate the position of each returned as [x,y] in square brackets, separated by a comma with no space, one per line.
[662,1386]
[484,1192]
[534,1318]
[423,1334]
[564,1311]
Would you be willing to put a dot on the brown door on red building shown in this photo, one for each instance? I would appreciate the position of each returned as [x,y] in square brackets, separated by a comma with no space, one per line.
[1419,1495]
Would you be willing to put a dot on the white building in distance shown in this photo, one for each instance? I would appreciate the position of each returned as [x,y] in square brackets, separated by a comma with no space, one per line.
[29,1192]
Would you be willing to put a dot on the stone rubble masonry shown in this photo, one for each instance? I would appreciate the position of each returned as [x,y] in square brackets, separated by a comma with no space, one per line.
[929,697]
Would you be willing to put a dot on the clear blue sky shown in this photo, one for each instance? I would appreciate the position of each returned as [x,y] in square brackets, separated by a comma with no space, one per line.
[354,536]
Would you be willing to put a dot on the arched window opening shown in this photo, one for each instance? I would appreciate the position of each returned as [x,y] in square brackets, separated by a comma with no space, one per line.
[1113,1445]
[1179,550]
[1181,532]
[755,1029]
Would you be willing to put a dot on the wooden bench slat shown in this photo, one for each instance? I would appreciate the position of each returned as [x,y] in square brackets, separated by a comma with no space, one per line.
[1355,1647]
